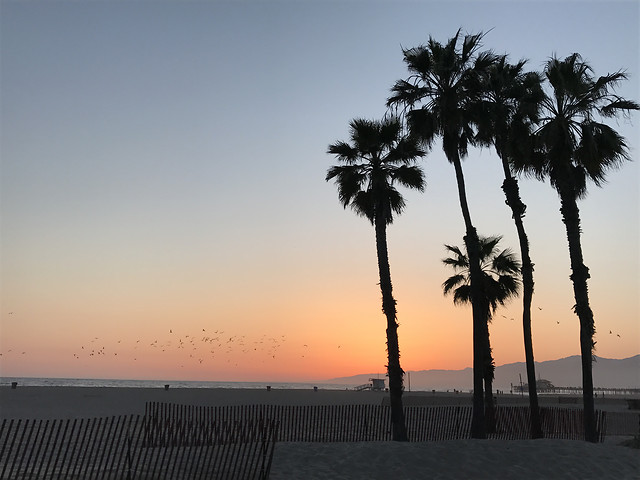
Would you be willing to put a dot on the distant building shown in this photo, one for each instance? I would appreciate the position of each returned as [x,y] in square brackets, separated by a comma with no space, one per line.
[542,386]
[377,384]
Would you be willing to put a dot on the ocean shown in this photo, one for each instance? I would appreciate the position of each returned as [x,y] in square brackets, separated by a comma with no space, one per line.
[101,382]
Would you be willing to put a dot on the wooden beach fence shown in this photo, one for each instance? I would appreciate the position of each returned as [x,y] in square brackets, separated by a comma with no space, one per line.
[119,448]
[191,442]
[299,423]
[359,423]
[513,423]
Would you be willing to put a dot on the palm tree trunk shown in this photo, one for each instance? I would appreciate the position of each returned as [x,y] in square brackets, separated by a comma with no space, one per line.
[472,243]
[489,407]
[579,276]
[512,194]
[395,372]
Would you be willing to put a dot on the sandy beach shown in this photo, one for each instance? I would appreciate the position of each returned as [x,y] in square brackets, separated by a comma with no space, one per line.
[86,402]
[495,459]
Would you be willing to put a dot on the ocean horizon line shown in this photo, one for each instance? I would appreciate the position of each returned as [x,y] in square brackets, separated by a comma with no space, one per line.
[158,383]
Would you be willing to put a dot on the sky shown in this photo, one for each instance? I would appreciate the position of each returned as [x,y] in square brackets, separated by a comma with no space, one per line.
[165,214]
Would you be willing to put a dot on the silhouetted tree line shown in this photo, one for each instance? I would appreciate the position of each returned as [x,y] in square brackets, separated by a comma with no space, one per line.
[545,125]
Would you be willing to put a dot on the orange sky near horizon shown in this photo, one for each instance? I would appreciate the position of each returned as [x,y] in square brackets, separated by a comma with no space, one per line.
[311,339]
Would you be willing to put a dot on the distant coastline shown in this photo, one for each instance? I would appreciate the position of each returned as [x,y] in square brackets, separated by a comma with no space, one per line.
[564,372]
[117,383]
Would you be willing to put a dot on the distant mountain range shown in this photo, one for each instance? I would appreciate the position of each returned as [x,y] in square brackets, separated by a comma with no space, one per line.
[565,372]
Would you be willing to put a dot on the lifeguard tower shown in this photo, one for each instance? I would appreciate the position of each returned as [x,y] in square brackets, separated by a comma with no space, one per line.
[377,384]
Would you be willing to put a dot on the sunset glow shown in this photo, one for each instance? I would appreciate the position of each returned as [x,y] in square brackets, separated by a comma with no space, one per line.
[165,214]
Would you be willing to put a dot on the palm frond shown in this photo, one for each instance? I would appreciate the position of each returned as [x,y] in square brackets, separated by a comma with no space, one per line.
[425,124]
[509,286]
[618,105]
[418,59]
[348,178]
[344,152]
[406,93]
[462,295]
[395,203]
[601,148]
[506,262]
[363,204]
[410,176]
[458,260]
[470,44]
[406,151]
[487,246]
[452,283]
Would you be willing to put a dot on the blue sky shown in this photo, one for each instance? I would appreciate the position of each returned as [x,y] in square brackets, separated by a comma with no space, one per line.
[167,157]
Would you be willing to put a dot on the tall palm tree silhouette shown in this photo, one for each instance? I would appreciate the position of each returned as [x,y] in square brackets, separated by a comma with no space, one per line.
[510,106]
[500,276]
[378,159]
[440,98]
[575,147]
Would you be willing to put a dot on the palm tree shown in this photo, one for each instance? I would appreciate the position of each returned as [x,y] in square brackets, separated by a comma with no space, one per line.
[500,277]
[379,158]
[575,147]
[510,106]
[445,83]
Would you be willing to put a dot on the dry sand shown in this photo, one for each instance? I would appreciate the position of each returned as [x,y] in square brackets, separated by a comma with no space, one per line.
[459,459]
[456,459]
[88,402]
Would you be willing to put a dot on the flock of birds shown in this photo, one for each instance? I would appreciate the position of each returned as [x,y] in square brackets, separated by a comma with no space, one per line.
[195,348]
[199,348]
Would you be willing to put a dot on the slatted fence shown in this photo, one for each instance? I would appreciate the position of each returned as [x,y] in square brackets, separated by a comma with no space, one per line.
[189,442]
[562,423]
[119,448]
[358,423]
[300,423]
[623,423]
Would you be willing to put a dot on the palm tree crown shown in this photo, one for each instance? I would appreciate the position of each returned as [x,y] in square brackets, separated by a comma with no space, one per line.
[575,144]
[447,80]
[501,270]
[378,158]
[509,108]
